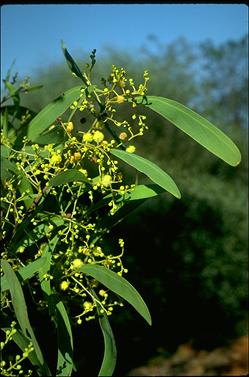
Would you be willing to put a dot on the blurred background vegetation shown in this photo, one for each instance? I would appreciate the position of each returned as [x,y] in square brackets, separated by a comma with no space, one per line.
[188,258]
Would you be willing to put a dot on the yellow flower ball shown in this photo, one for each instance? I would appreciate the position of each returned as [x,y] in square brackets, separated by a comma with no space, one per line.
[70,127]
[106,180]
[64,285]
[77,263]
[55,159]
[87,137]
[131,149]
[102,293]
[88,305]
[98,136]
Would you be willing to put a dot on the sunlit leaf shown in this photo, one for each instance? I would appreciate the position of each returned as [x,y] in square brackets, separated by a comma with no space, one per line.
[143,192]
[53,110]
[139,192]
[197,127]
[20,308]
[118,285]
[59,314]
[154,172]
[25,272]
[71,175]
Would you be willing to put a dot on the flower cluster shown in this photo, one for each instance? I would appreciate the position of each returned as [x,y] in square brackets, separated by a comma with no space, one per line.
[40,196]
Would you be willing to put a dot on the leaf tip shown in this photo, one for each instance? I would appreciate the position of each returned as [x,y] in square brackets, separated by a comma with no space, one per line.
[238,160]
[179,195]
[236,163]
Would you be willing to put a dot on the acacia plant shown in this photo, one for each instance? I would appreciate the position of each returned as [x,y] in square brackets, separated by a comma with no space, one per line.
[62,191]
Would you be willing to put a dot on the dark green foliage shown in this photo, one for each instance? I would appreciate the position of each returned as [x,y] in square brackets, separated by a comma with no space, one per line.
[189,260]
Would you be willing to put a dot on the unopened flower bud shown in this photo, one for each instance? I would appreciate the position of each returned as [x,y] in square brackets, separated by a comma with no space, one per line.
[123,136]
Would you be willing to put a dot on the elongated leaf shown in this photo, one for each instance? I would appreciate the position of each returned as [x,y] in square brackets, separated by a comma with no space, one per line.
[33,235]
[23,186]
[8,168]
[140,192]
[4,151]
[71,175]
[25,234]
[118,285]
[18,301]
[47,255]
[144,192]
[26,272]
[17,297]
[154,172]
[20,308]
[12,89]
[53,110]
[59,313]
[44,269]
[197,127]
[72,64]
[110,353]
[65,342]
[54,136]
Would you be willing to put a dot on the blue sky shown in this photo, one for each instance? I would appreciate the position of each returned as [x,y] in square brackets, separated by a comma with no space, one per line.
[31,34]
